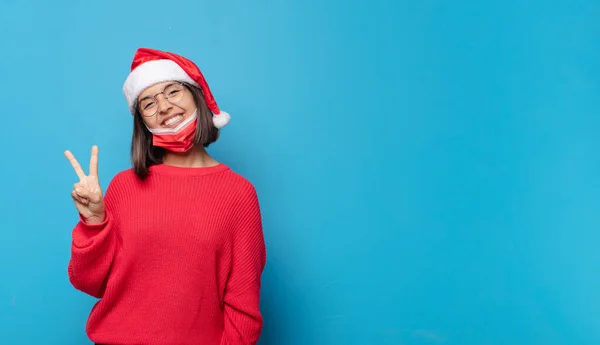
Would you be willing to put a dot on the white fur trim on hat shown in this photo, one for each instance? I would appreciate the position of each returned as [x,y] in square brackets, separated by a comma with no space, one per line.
[150,73]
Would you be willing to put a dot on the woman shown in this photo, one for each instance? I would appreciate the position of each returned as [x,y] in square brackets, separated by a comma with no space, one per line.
[175,249]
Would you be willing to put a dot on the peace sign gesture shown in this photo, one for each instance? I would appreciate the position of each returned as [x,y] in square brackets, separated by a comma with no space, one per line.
[87,193]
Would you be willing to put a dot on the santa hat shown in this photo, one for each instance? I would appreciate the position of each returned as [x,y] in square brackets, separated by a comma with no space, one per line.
[151,66]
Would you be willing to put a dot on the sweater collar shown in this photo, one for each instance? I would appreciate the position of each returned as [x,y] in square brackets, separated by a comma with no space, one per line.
[173,170]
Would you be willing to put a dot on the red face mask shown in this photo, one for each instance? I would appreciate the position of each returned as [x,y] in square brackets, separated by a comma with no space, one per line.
[178,139]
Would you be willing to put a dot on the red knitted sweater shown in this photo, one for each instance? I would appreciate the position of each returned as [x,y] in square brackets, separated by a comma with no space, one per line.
[178,259]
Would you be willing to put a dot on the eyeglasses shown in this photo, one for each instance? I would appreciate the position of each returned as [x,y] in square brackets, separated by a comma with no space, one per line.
[148,106]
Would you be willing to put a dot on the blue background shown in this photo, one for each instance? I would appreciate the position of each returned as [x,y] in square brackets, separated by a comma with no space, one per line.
[428,170]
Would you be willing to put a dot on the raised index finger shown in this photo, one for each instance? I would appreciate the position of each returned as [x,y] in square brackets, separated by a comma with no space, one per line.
[75,165]
[94,161]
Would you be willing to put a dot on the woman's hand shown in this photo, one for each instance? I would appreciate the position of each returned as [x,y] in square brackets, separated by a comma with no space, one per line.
[87,193]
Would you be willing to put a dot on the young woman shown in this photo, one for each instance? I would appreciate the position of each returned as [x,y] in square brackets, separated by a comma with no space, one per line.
[174,250]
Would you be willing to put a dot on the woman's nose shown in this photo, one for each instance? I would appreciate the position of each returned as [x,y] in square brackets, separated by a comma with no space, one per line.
[163,104]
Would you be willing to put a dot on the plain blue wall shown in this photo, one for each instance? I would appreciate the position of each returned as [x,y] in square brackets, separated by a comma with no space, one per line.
[428,170]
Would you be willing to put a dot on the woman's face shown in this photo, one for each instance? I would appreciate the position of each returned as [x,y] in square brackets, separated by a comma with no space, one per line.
[165,105]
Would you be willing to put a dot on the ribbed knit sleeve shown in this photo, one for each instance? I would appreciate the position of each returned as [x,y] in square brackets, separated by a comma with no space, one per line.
[93,248]
[243,320]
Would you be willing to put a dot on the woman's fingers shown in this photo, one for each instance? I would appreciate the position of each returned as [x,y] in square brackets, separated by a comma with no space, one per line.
[94,162]
[87,193]
[83,191]
[75,165]
[78,198]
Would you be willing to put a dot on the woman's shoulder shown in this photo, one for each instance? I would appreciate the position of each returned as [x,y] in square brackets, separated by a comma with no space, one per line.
[240,183]
[125,174]
[121,177]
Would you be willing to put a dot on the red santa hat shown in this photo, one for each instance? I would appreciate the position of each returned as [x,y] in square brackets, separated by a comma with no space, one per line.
[151,66]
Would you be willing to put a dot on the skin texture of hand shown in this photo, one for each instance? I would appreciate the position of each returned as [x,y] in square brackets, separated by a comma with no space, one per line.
[87,193]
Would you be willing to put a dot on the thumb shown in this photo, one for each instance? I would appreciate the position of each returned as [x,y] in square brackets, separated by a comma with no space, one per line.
[82,192]
[92,194]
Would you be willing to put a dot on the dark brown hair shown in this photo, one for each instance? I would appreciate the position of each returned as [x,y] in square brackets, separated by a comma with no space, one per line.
[144,154]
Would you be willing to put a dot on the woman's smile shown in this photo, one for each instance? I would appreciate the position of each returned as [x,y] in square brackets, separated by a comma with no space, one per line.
[172,120]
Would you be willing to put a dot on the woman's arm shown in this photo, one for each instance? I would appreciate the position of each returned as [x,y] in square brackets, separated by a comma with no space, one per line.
[243,319]
[93,249]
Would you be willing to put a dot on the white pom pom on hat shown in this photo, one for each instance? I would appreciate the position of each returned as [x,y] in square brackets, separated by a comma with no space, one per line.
[151,66]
